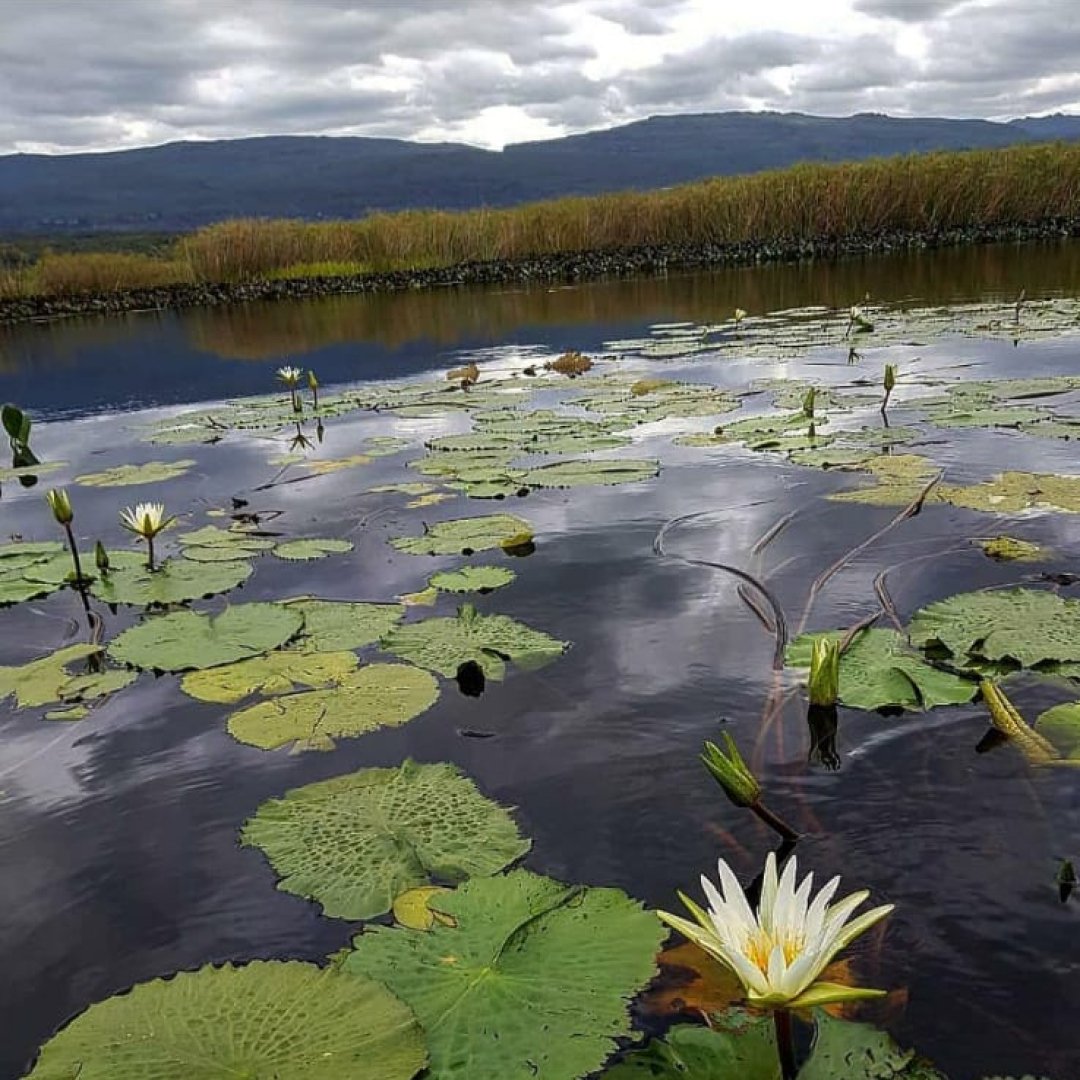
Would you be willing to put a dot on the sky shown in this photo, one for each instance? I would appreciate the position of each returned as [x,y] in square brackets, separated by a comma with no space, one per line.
[110,74]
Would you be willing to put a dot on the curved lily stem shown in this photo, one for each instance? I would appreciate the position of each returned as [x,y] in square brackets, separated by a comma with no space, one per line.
[785,1043]
[774,821]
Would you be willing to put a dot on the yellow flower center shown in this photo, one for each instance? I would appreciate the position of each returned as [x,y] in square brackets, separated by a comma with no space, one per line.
[759,946]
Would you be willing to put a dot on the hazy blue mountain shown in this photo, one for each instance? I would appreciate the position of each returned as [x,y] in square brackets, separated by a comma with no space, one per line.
[182,185]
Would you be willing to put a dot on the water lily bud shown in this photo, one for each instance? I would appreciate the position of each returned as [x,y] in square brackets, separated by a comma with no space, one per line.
[739,315]
[809,400]
[731,772]
[312,381]
[101,557]
[60,505]
[825,672]
[890,378]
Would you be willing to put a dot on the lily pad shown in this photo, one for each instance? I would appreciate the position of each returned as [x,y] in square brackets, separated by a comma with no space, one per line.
[274,673]
[844,1050]
[411,908]
[376,696]
[1015,491]
[153,472]
[287,1020]
[305,550]
[42,682]
[211,544]
[1061,726]
[337,625]
[739,1047]
[1027,626]
[462,536]
[1010,549]
[492,641]
[356,842]
[879,670]
[900,478]
[472,579]
[532,983]
[582,472]
[187,640]
[173,582]
[59,569]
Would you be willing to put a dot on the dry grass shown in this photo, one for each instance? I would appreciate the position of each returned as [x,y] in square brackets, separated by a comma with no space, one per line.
[922,192]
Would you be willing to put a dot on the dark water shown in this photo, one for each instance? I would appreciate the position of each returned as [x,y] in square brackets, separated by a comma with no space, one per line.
[118,835]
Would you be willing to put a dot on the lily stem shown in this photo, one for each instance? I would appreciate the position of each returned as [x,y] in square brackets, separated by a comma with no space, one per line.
[785,1043]
[149,553]
[75,556]
[774,821]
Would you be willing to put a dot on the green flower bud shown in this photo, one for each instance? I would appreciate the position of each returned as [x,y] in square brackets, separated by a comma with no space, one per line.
[890,378]
[60,505]
[312,381]
[825,672]
[809,400]
[101,557]
[731,772]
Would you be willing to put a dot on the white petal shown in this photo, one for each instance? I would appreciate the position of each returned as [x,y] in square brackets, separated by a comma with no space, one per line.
[862,924]
[734,895]
[777,968]
[768,891]
[815,915]
[785,896]
[802,972]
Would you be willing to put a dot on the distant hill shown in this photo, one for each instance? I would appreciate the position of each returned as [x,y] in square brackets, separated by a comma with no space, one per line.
[183,185]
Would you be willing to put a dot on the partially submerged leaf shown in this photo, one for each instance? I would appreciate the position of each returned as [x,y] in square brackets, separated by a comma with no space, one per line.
[356,842]
[1015,491]
[375,696]
[527,955]
[879,670]
[443,645]
[42,682]
[186,640]
[274,673]
[287,1020]
[464,535]
[153,472]
[1010,549]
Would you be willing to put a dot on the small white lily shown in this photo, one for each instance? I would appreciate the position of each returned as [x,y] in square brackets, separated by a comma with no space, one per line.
[290,376]
[146,520]
[779,952]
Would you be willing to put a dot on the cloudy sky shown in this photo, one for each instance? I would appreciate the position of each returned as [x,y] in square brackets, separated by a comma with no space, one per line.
[102,74]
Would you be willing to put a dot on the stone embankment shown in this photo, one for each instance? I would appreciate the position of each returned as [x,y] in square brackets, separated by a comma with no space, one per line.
[560,268]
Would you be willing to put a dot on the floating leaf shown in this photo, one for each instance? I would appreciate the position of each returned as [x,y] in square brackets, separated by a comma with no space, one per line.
[356,842]
[740,1048]
[532,982]
[423,598]
[1027,626]
[879,670]
[472,579]
[580,472]
[173,582]
[327,466]
[844,1050]
[989,416]
[900,478]
[1009,549]
[412,488]
[40,468]
[153,472]
[42,682]
[274,673]
[185,640]
[443,645]
[60,570]
[70,713]
[1061,727]
[379,695]
[432,499]
[462,536]
[1014,491]
[337,625]
[286,1020]
[304,550]
[411,908]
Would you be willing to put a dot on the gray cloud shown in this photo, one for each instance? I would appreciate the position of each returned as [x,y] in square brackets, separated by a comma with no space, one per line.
[99,73]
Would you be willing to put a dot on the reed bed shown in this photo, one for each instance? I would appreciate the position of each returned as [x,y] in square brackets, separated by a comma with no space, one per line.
[919,193]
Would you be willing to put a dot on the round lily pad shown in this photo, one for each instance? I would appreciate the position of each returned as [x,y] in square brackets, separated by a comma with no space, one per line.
[356,842]
[334,625]
[274,673]
[581,472]
[186,640]
[472,579]
[464,535]
[379,695]
[303,550]
[173,582]
[286,1020]
[153,472]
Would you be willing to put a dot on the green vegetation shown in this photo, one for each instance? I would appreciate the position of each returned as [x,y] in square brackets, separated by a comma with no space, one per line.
[918,193]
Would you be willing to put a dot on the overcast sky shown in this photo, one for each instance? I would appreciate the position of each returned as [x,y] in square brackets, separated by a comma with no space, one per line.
[103,74]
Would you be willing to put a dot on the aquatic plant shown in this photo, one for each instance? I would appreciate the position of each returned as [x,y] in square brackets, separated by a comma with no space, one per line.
[146,520]
[313,386]
[738,316]
[731,772]
[824,681]
[290,377]
[779,952]
[61,508]
[101,558]
[889,383]
[17,426]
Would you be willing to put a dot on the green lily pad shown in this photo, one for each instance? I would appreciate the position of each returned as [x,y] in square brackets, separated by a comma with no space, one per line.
[42,682]
[376,696]
[335,625]
[989,416]
[153,472]
[443,645]
[879,670]
[15,590]
[286,1020]
[304,550]
[581,472]
[185,640]
[743,1048]
[42,468]
[532,983]
[844,1050]
[274,673]
[1010,549]
[462,536]
[1014,491]
[59,569]
[356,842]
[18,563]
[1061,726]
[173,582]
[900,478]
[211,544]
[417,487]
[1028,626]
[472,579]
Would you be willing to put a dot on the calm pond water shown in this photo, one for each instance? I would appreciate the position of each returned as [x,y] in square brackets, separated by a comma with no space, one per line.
[118,833]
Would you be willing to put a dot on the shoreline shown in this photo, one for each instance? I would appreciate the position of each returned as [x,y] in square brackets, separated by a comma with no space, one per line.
[564,268]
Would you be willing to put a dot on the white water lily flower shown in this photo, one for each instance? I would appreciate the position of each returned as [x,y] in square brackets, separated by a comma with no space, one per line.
[779,952]
[145,519]
[290,376]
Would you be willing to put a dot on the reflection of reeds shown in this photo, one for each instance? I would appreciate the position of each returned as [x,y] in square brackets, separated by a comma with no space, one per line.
[923,193]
